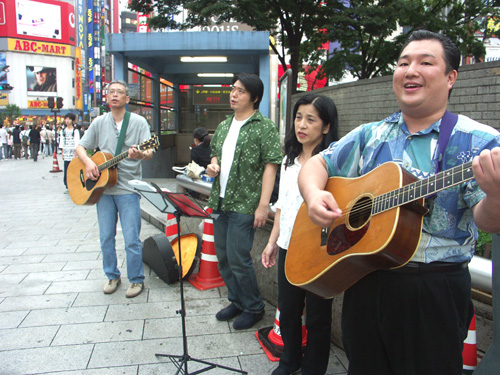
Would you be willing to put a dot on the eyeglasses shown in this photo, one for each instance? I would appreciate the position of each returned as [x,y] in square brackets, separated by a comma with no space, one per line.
[117,92]
[238,89]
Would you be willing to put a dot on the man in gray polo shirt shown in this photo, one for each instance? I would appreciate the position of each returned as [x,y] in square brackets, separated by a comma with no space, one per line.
[119,199]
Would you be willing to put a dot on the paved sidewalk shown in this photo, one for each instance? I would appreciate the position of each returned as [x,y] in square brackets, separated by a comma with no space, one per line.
[54,317]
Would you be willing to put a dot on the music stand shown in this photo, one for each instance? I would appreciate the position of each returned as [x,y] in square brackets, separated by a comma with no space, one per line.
[178,204]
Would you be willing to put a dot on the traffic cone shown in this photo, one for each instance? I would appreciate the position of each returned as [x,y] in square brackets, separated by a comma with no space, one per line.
[271,341]
[171,227]
[55,164]
[469,353]
[208,276]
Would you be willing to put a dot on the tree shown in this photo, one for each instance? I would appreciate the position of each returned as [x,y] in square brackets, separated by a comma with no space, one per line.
[369,38]
[368,32]
[289,21]
[12,112]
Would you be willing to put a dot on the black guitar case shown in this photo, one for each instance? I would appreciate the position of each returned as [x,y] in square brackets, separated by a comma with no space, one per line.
[157,253]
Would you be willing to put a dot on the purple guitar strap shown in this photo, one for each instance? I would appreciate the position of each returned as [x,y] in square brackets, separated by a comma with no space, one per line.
[448,122]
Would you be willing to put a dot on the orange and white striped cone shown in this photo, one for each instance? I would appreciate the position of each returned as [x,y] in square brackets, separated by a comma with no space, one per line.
[171,227]
[469,353]
[55,164]
[271,341]
[208,276]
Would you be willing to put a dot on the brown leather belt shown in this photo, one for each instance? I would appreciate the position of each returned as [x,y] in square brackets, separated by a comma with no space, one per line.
[418,268]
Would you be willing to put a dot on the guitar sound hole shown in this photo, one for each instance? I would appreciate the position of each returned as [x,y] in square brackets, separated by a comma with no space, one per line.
[360,212]
[344,237]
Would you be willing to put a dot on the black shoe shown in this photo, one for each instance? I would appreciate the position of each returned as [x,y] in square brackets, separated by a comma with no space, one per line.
[228,313]
[247,320]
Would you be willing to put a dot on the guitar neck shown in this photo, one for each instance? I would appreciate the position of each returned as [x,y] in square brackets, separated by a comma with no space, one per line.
[423,188]
[118,158]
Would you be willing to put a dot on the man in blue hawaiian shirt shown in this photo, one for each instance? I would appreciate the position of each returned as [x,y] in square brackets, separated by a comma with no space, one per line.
[413,319]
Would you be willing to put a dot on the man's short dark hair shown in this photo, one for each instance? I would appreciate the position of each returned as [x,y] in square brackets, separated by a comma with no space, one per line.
[451,51]
[253,85]
[70,116]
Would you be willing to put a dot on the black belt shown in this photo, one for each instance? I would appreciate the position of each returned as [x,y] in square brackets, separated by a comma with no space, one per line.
[418,268]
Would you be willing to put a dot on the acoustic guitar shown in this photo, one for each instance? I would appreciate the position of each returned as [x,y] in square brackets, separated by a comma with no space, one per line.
[83,190]
[380,228]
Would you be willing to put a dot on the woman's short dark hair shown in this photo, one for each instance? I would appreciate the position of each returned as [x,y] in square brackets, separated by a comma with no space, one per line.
[201,134]
[327,112]
[253,85]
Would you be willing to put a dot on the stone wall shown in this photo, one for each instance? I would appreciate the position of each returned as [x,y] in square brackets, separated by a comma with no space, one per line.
[476,94]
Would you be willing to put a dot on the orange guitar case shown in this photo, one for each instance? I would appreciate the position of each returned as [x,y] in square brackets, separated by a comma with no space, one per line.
[161,255]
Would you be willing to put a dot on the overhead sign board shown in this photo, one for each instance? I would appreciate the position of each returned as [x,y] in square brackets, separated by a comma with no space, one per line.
[211,95]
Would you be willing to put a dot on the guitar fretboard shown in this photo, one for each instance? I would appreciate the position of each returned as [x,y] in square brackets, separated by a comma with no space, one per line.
[112,162]
[152,143]
[423,188]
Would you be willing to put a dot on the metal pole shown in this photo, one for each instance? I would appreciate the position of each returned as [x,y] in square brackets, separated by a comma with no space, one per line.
[490,363]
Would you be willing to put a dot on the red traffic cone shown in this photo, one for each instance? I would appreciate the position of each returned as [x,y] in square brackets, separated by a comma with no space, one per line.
[171,227]
[208,276]
[55,164]
[469,353]
[271,341]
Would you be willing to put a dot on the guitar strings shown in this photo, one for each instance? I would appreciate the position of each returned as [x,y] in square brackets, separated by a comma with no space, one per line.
[395,195]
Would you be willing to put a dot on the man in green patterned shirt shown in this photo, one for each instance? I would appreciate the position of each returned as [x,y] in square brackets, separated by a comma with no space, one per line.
[245,157]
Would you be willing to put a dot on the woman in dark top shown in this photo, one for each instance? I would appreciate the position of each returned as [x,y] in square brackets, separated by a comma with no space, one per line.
[201,152]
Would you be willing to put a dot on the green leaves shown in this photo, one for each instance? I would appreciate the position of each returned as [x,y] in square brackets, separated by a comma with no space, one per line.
[369,34]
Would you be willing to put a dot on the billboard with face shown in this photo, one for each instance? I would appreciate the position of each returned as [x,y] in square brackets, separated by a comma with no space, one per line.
[41,81]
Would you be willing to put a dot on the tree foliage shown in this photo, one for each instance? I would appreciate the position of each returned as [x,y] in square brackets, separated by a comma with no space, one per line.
[289,21]
[370,42]
[12,112]
[368,33]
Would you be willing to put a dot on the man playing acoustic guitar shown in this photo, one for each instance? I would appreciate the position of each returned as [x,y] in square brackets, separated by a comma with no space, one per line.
[120,199]
[413,319]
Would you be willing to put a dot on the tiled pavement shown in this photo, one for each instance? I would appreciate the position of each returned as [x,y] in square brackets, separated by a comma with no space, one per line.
[54,318]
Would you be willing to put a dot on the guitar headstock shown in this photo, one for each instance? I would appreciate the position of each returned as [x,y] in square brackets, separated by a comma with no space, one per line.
[150,144]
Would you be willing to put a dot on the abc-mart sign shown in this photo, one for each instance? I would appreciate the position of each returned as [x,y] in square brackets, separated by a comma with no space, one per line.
[32,46]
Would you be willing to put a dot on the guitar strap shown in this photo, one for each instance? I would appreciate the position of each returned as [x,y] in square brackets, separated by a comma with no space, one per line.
[123,131]
[448,122]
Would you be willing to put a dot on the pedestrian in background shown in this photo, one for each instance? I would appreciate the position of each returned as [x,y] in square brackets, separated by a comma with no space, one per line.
[9,144]
[50,140]
[3,142]
[16,139]
[45,142]
[245,156]
[70,137]
[35,141]
[201,151]
[43,136]
[25,140]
